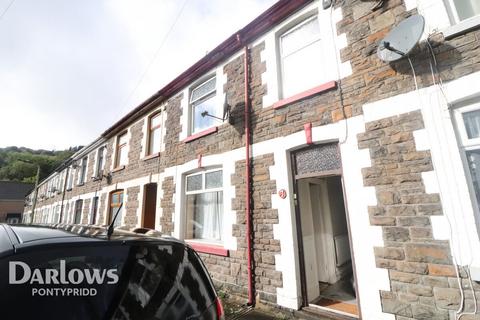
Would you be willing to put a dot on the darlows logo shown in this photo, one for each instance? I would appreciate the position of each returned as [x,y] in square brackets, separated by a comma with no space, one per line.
[21,273]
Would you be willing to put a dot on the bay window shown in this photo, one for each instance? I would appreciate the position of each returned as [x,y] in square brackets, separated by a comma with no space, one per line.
[203,101]
[204,205]
[301,58]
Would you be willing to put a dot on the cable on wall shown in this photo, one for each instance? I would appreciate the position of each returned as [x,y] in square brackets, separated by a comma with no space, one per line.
[339,82]
[458,313]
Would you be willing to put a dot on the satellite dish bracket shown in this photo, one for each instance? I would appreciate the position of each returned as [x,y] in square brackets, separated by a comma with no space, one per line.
[386,45]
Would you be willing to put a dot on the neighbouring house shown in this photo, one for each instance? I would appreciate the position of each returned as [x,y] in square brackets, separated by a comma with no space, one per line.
[307,172]
[12,200]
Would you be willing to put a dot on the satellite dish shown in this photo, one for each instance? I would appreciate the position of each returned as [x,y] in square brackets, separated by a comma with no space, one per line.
[401,39]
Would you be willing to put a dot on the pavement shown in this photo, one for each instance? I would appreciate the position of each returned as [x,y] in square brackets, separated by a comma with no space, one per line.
[251,314]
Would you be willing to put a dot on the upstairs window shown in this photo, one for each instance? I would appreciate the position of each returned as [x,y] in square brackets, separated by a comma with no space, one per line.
[71,174]
[100,162]
[204,206]
[301,58]
[464,9]
[83,170]
[202,101]
[121,153]
[154,133]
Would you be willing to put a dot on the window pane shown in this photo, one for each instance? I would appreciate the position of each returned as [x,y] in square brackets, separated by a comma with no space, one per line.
[122,156]
[300,37]
[204,216]
[194,182]
[213,179]
[467,8]
[113,212]
[302,70]
[122,139]
[203,90]
[155,141]
[472,123]
[155,121]
[473,158]
[199,122]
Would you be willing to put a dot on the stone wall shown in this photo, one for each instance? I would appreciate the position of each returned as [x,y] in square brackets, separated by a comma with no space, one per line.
[422,275]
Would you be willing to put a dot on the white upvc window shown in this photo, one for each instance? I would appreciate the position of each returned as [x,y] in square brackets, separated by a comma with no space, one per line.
[468,125]
[154,135]
[100,162]
[204,206]
[461,10]
[121,154]
[202,101]
[301,58]
[83,170]
[71,174]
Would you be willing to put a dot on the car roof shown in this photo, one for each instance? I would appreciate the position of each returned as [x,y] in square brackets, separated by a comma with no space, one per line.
[21,236]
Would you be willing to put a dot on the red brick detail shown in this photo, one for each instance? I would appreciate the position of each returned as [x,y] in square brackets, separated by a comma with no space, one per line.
[200,134]
[305,94]
[208,248]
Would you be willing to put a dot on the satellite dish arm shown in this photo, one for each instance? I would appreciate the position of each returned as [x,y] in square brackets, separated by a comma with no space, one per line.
[387,46]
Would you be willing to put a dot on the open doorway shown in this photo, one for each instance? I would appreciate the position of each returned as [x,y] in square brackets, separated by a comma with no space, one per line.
[328,269]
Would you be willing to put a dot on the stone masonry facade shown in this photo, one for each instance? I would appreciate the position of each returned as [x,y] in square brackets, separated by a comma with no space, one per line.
[422,275]
[420,268]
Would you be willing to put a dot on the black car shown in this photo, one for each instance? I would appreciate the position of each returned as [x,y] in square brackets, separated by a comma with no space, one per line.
[81,272]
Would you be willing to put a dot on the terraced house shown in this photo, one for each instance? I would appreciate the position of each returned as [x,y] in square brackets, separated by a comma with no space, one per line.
[307,172]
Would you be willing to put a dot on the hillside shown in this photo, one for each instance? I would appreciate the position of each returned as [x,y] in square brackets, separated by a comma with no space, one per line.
[20,164]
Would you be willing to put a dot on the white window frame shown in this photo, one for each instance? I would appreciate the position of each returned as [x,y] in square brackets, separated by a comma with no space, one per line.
[203,190]
[160,115]
[453,12]
[289,28]
[99,168]
[467,144]
[214,93]
[117,160]
[70,178]
[82,177]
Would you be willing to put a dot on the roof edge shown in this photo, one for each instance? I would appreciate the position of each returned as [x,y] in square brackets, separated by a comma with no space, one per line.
[232,44]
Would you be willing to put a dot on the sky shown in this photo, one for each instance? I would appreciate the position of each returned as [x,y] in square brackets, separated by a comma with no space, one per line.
[70,69]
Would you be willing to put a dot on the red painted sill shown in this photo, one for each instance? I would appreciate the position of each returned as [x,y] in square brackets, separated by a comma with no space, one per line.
[208,248]
[305,94]
[200,134]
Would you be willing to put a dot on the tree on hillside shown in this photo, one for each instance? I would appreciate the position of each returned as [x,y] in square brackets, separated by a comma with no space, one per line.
[20,164]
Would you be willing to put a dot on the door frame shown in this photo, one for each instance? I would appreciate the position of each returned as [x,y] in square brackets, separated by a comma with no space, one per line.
[301,254]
